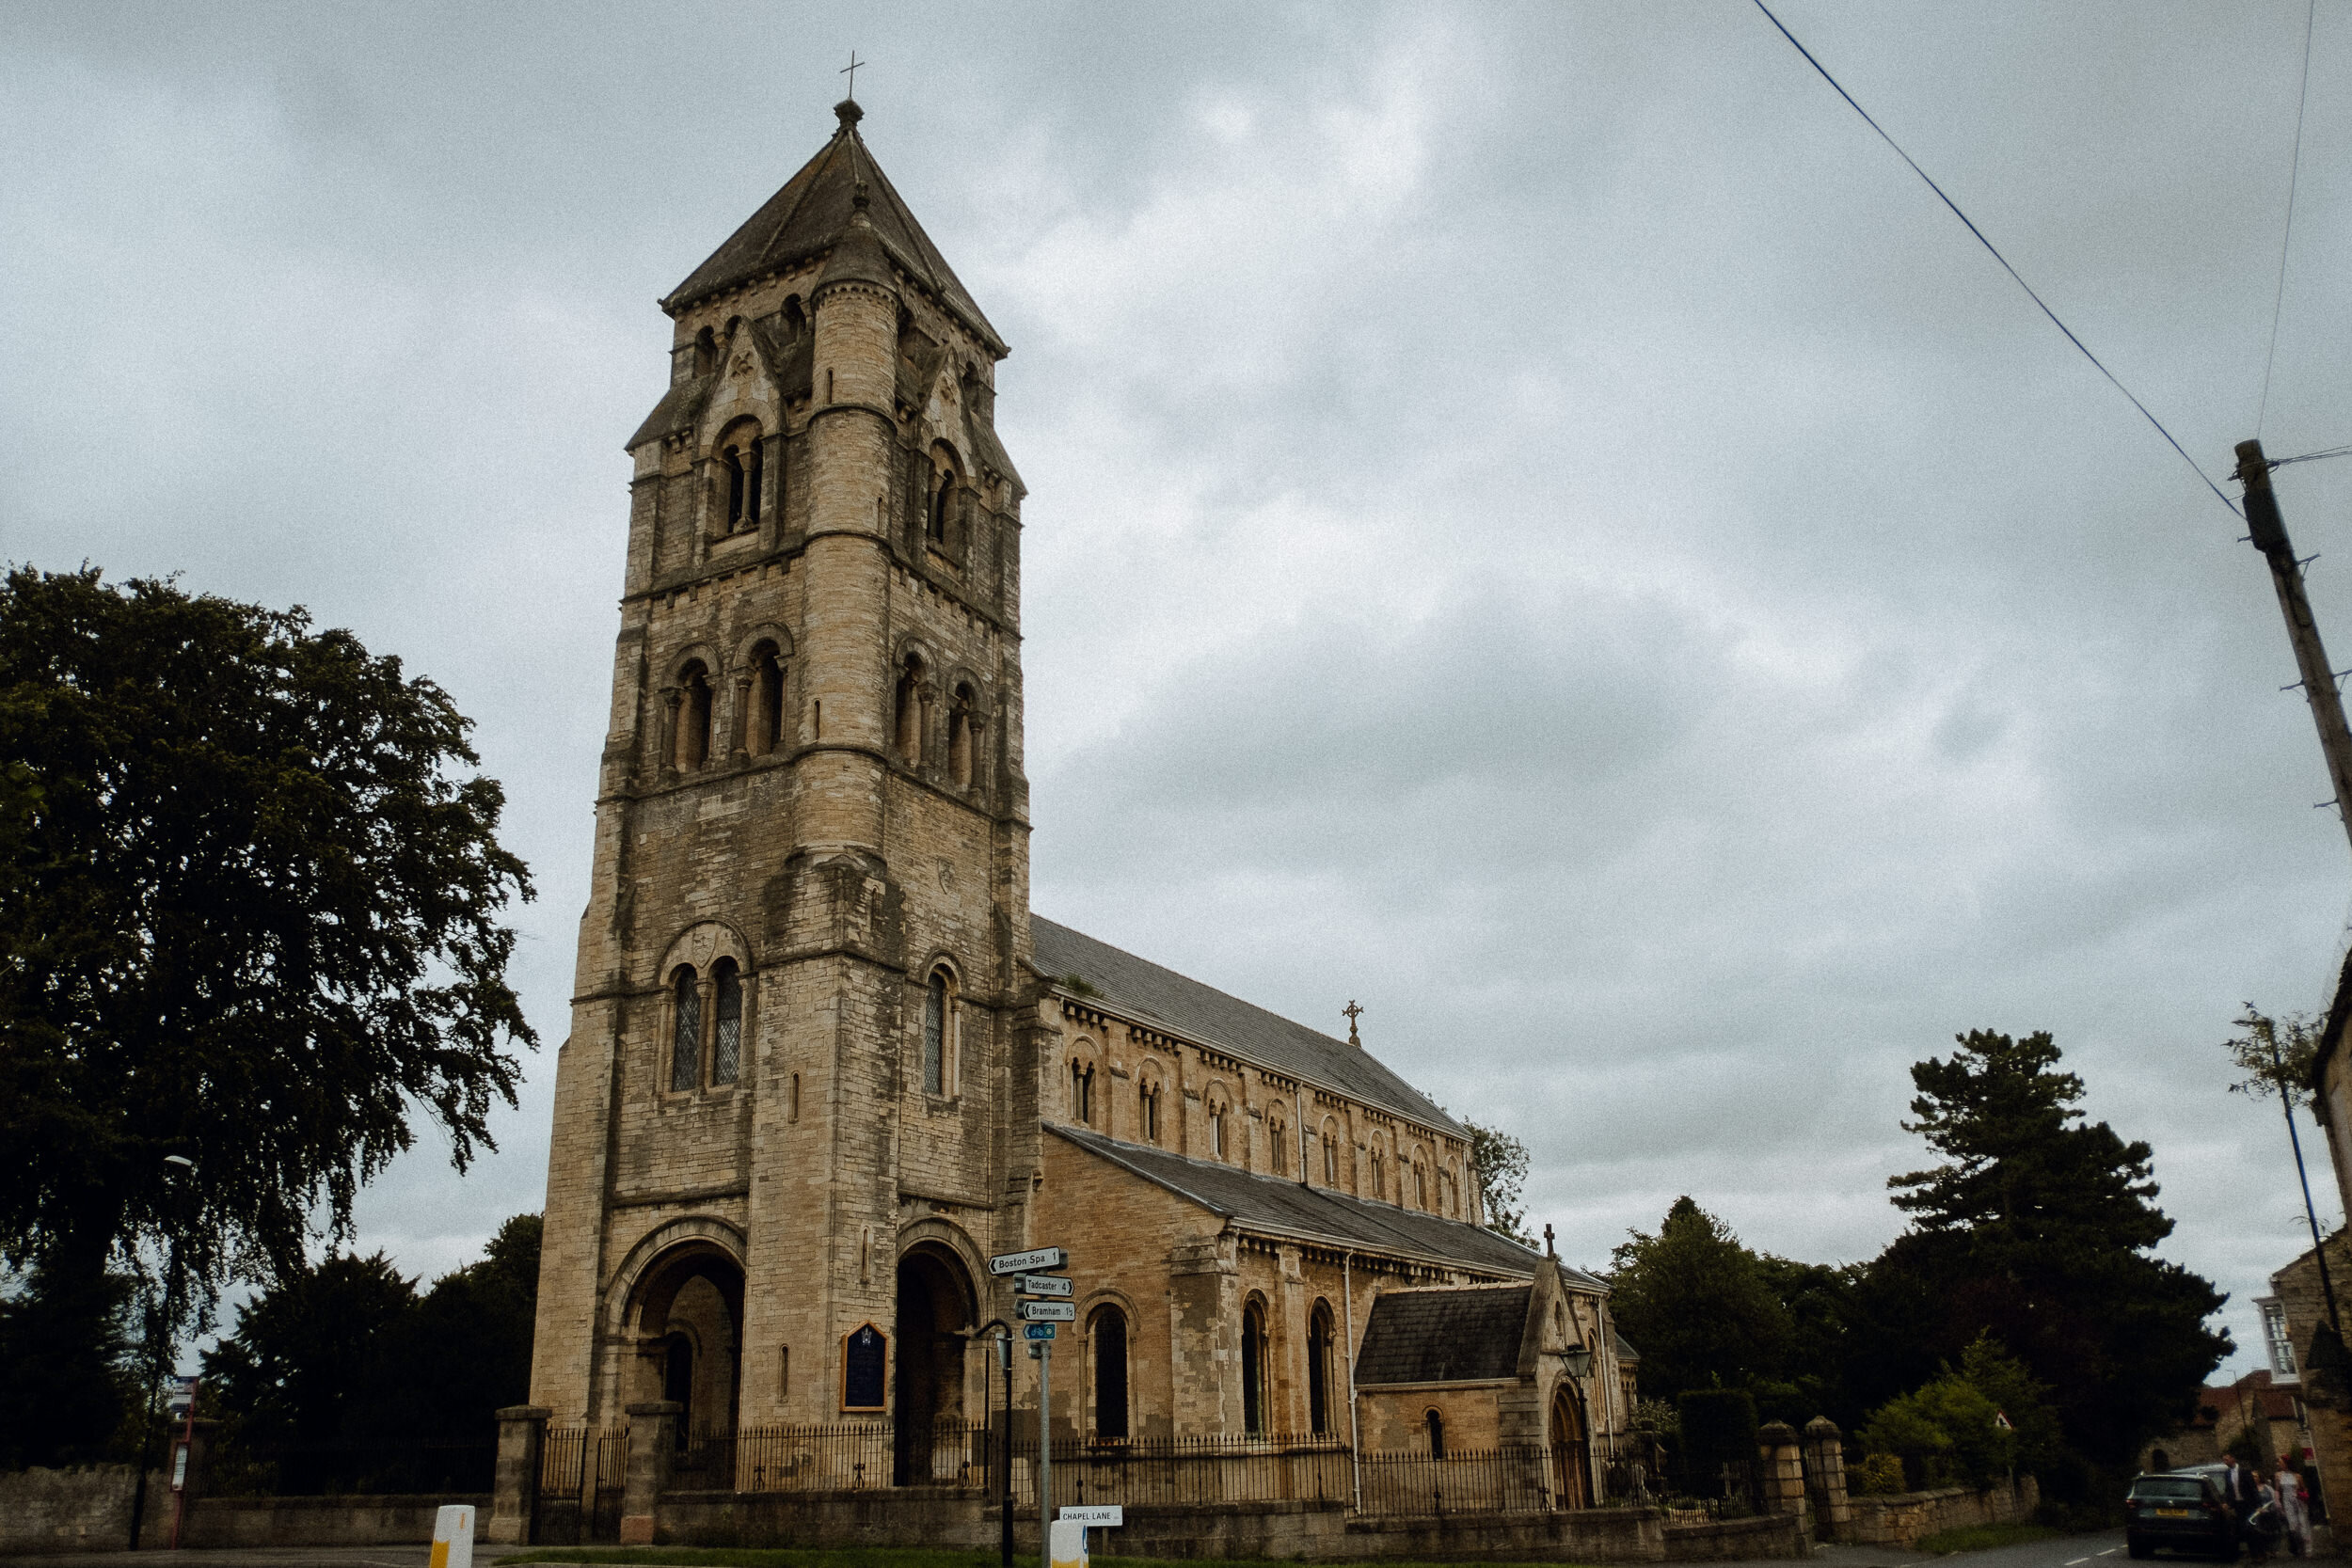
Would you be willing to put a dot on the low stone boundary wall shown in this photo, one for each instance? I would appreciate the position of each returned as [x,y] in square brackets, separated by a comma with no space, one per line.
[84,1509]
[1736,1540]
[349,1520]
[1305,1531]
[1902,1518]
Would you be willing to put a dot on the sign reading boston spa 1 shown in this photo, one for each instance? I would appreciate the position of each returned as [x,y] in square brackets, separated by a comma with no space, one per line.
[1026,1262]
[863,1358]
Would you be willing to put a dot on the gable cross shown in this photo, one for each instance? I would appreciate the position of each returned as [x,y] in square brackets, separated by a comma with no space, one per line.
[850,71]
[1353,1012]
[1548,1248]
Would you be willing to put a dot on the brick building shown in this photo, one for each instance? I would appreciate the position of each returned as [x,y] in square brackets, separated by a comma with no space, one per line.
[823,1061]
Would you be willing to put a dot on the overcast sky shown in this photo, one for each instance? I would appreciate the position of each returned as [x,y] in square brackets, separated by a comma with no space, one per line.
[1537,521]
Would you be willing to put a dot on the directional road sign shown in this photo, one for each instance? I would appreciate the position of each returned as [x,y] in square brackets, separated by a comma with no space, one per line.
[1022,1262]
[1048,1313]
[1041,1285]
[1037,1331]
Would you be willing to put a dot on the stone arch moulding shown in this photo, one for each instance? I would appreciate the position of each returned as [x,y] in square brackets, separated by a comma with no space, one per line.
[621,1287]
[1109,1295]
[697,652]
[938,1230]
[914,643]
[701,945]
[764,631]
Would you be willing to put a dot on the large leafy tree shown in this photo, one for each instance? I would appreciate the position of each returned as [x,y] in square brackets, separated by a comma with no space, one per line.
[251,896]
[1697,1306]
[1500,1162]
[2038,1227]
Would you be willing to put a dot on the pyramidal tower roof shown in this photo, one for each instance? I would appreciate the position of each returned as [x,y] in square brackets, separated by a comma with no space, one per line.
[812,213]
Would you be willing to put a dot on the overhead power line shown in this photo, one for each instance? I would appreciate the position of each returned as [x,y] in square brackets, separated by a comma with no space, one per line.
[2293,168]
[1996,255]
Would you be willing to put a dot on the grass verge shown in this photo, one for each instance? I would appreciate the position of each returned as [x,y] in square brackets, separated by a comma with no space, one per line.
[1981,1537]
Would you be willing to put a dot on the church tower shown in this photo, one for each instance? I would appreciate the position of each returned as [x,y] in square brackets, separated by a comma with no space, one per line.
[797,1106]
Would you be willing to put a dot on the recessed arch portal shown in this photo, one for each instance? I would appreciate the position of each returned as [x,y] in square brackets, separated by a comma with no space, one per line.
[935,1321]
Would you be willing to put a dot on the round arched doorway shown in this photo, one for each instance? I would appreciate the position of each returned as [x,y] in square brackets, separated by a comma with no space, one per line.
[1571,1454]
[935,1319]
[687,1315]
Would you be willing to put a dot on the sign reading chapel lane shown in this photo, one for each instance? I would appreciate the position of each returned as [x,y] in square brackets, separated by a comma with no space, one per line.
[1023,1262]
[1048,1313]
[1041,1285]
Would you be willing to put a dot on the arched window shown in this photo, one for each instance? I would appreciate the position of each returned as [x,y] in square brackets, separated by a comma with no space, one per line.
[940,520]
[705,352]
[1148,1111]
[1082,1092]
[731,464]
[1330,1156]
[960,724]
[1109,1332]
[1216,1132]
[1435,1423]
[795,319]
[693,716]
[936,1033]
[908,723]
[1421,1186]
[1378,1174]
[1319,1384]
[686,1030]
[1278,1146]
[1253,1369]
[767,715]
[726,1038]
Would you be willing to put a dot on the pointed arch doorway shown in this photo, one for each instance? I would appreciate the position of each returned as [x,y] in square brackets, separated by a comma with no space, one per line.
[934,1323]
[1571,1453]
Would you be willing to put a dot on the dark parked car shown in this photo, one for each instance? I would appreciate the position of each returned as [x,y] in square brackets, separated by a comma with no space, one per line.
[2182,1511]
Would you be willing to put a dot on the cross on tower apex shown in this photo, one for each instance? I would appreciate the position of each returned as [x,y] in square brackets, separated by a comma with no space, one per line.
[1353,1012]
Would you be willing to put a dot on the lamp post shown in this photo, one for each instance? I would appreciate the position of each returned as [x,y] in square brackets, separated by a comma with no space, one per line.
[159,1339]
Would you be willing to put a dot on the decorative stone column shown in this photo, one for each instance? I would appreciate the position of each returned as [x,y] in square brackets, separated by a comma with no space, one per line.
[1783,1472]
[515,1485]
[652,1439]
[1825,1479]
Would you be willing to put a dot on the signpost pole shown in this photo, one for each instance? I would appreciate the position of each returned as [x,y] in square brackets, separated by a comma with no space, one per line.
[1045,1453]
[1004,1357]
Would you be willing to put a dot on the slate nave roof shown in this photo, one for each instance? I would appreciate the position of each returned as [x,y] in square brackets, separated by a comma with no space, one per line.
[1209,1016]
[1284,1206]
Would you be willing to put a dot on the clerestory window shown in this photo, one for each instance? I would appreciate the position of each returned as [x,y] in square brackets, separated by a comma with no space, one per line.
[935,1034]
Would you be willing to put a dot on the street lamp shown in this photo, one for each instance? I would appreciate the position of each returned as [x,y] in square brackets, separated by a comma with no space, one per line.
[159,1339]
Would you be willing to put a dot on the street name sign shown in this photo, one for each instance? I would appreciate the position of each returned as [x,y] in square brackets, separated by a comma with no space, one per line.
[1041,1285]
[1037,1331]
[1048,1313]
[1023,1262]
[1098,1515]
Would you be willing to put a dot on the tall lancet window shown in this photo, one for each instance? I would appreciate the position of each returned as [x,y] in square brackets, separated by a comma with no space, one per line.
[686,1033]
[727,1041]
[754,474]
[935,1035]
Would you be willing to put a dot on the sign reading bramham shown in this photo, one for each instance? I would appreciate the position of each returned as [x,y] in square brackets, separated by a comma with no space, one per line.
[1049,1312]
[1024,1262]
[863,1358]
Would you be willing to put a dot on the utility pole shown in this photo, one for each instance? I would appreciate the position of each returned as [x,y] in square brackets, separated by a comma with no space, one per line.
[2268,532]
[2269,535]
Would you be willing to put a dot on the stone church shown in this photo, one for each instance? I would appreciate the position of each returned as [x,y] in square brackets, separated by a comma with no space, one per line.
[823,1059]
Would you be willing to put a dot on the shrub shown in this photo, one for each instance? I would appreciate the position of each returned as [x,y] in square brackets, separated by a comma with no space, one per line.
[1878,1475]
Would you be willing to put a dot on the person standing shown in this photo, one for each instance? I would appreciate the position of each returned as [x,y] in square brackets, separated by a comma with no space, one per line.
[2294,1507]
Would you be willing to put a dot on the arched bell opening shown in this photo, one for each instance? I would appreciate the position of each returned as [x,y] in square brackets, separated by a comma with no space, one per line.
[688,1318]
[935,1319]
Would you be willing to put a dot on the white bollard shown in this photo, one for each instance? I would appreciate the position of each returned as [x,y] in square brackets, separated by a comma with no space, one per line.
[453,1537]
[1070,1543]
